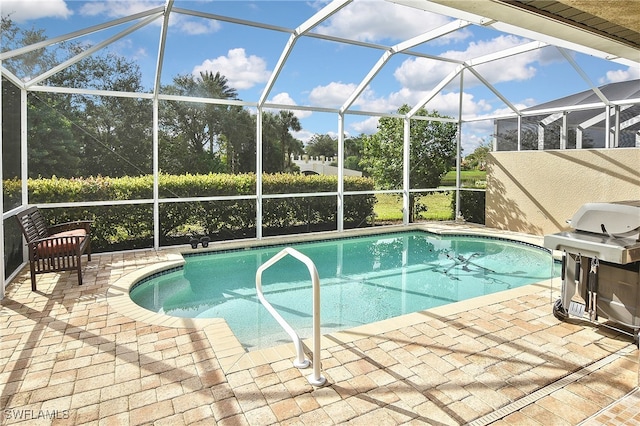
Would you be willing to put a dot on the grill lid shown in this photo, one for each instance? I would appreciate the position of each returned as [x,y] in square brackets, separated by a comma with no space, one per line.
[608,231]
[619,219]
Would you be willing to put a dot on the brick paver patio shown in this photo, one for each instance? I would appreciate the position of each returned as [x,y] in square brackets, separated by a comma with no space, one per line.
[69,357]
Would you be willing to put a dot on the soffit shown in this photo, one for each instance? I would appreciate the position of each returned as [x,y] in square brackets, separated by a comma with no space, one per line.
[609,29]
[618,20]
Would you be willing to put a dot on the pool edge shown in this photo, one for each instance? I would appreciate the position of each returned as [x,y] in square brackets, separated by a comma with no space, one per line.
[233,357]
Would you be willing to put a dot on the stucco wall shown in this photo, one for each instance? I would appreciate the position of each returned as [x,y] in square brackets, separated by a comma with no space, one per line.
[537,191]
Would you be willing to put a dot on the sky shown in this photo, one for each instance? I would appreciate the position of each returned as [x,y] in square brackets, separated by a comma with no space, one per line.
[323,73]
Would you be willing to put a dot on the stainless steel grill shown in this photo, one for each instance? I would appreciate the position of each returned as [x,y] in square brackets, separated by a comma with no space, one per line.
[601,265]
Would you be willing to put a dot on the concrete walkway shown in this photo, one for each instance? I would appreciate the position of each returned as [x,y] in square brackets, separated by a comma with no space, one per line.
[69,357]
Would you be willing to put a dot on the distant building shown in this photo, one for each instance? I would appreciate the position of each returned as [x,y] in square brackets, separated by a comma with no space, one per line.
[320,166]
[577,121]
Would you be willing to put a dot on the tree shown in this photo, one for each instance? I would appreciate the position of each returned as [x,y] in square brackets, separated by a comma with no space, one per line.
[353,148]
[432,152]
[30,64]
[277,143]
[477,160]
[114,132]
[52,147]
[239,138]
[196,131]
[322,145]
[272,153]
[10,130]
[71,134]
[58,153]
[285,121]
[328,146]
[215,86]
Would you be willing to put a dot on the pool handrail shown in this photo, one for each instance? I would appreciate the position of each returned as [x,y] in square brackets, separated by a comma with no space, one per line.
[301,361]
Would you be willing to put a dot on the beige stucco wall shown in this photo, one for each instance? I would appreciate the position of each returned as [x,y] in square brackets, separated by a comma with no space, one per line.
[537,191]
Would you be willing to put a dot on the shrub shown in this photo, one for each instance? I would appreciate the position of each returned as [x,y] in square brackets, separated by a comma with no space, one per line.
[472,205]
[119,226]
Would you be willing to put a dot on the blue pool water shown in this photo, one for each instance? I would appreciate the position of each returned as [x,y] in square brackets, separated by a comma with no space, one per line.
[362,280]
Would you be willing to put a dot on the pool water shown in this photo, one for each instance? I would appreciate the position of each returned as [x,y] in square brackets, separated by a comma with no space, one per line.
[362,280]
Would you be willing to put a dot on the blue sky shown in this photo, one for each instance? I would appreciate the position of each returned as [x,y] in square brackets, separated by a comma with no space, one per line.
[324,73]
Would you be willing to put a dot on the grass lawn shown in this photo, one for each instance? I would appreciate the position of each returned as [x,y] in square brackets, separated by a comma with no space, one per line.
[468,177]
[389,207]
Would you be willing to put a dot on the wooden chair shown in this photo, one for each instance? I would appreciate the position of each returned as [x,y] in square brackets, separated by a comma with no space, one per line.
[54,248]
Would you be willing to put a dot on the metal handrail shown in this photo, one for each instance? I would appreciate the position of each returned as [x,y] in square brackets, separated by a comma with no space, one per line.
[316,378]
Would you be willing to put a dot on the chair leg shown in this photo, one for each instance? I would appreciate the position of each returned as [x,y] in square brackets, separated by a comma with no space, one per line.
[32,270]
[79,271]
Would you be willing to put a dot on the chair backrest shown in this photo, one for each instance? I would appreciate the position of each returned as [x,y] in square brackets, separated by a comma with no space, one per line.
[33,224]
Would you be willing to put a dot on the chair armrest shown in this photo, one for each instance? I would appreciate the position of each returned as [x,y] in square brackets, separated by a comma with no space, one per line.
[58,238]
[67,226]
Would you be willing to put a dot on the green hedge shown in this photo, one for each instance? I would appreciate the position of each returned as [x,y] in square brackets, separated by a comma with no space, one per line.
[131,226]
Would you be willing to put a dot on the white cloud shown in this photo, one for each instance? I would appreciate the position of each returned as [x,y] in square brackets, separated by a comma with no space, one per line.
[284,99]
[418,77]
[334,135]
[424,74]
[139,53]
[519,68]
[241,71]
[303,135]
[193,27]
[368,126]
[445,103]
[421,73]
[126,47]
[525,103]
[475,134]
[448,104]
[335,94]
[485,47]
[332,95]
[24,10]
[616,76]
[373,21]
[117,9]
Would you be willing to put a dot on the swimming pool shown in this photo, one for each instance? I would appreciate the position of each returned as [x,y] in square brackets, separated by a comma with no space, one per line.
[362,279]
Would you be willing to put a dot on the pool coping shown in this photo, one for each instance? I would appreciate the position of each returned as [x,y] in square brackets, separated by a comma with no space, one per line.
[232,356]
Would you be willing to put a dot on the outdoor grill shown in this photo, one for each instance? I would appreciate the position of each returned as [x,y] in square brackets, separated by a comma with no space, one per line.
[601,265]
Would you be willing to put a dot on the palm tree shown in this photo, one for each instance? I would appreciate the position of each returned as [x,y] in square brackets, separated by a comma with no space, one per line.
[211,85]
[216,85]
[287,120]
[203,126]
